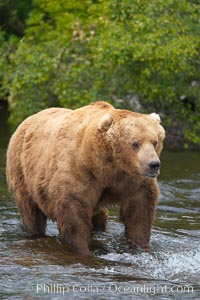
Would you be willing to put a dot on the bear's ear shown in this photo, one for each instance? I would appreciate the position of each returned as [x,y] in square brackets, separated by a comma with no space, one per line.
[105,122]
[155,117]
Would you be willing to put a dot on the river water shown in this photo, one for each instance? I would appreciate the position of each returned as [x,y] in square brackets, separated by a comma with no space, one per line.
[44,269]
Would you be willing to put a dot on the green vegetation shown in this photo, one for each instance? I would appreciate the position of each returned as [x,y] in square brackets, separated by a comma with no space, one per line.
[75,52]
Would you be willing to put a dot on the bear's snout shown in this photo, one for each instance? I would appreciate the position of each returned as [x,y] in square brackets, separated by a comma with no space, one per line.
[154,168]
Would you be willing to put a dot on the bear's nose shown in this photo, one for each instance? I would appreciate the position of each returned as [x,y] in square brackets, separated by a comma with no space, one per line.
[154,165]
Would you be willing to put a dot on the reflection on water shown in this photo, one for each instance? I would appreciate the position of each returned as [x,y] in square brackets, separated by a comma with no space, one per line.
[45,269]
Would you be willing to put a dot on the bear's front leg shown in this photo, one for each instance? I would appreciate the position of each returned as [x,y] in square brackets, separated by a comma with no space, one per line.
[74,225]
[137,213]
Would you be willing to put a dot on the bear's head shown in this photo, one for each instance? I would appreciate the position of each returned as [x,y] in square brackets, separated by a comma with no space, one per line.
[136,141]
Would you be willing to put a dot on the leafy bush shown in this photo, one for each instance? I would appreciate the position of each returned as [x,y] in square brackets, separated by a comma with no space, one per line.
[75,52]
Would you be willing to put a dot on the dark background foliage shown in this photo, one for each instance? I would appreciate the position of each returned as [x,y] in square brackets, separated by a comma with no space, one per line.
[140,55]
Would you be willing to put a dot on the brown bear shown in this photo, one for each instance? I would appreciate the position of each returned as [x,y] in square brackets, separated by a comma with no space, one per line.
[68,165]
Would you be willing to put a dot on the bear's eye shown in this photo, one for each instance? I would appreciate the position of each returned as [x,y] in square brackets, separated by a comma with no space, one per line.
[154,143]
[136,144]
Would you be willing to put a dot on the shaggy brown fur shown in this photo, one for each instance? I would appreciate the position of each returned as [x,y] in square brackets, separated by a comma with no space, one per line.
[69,165]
